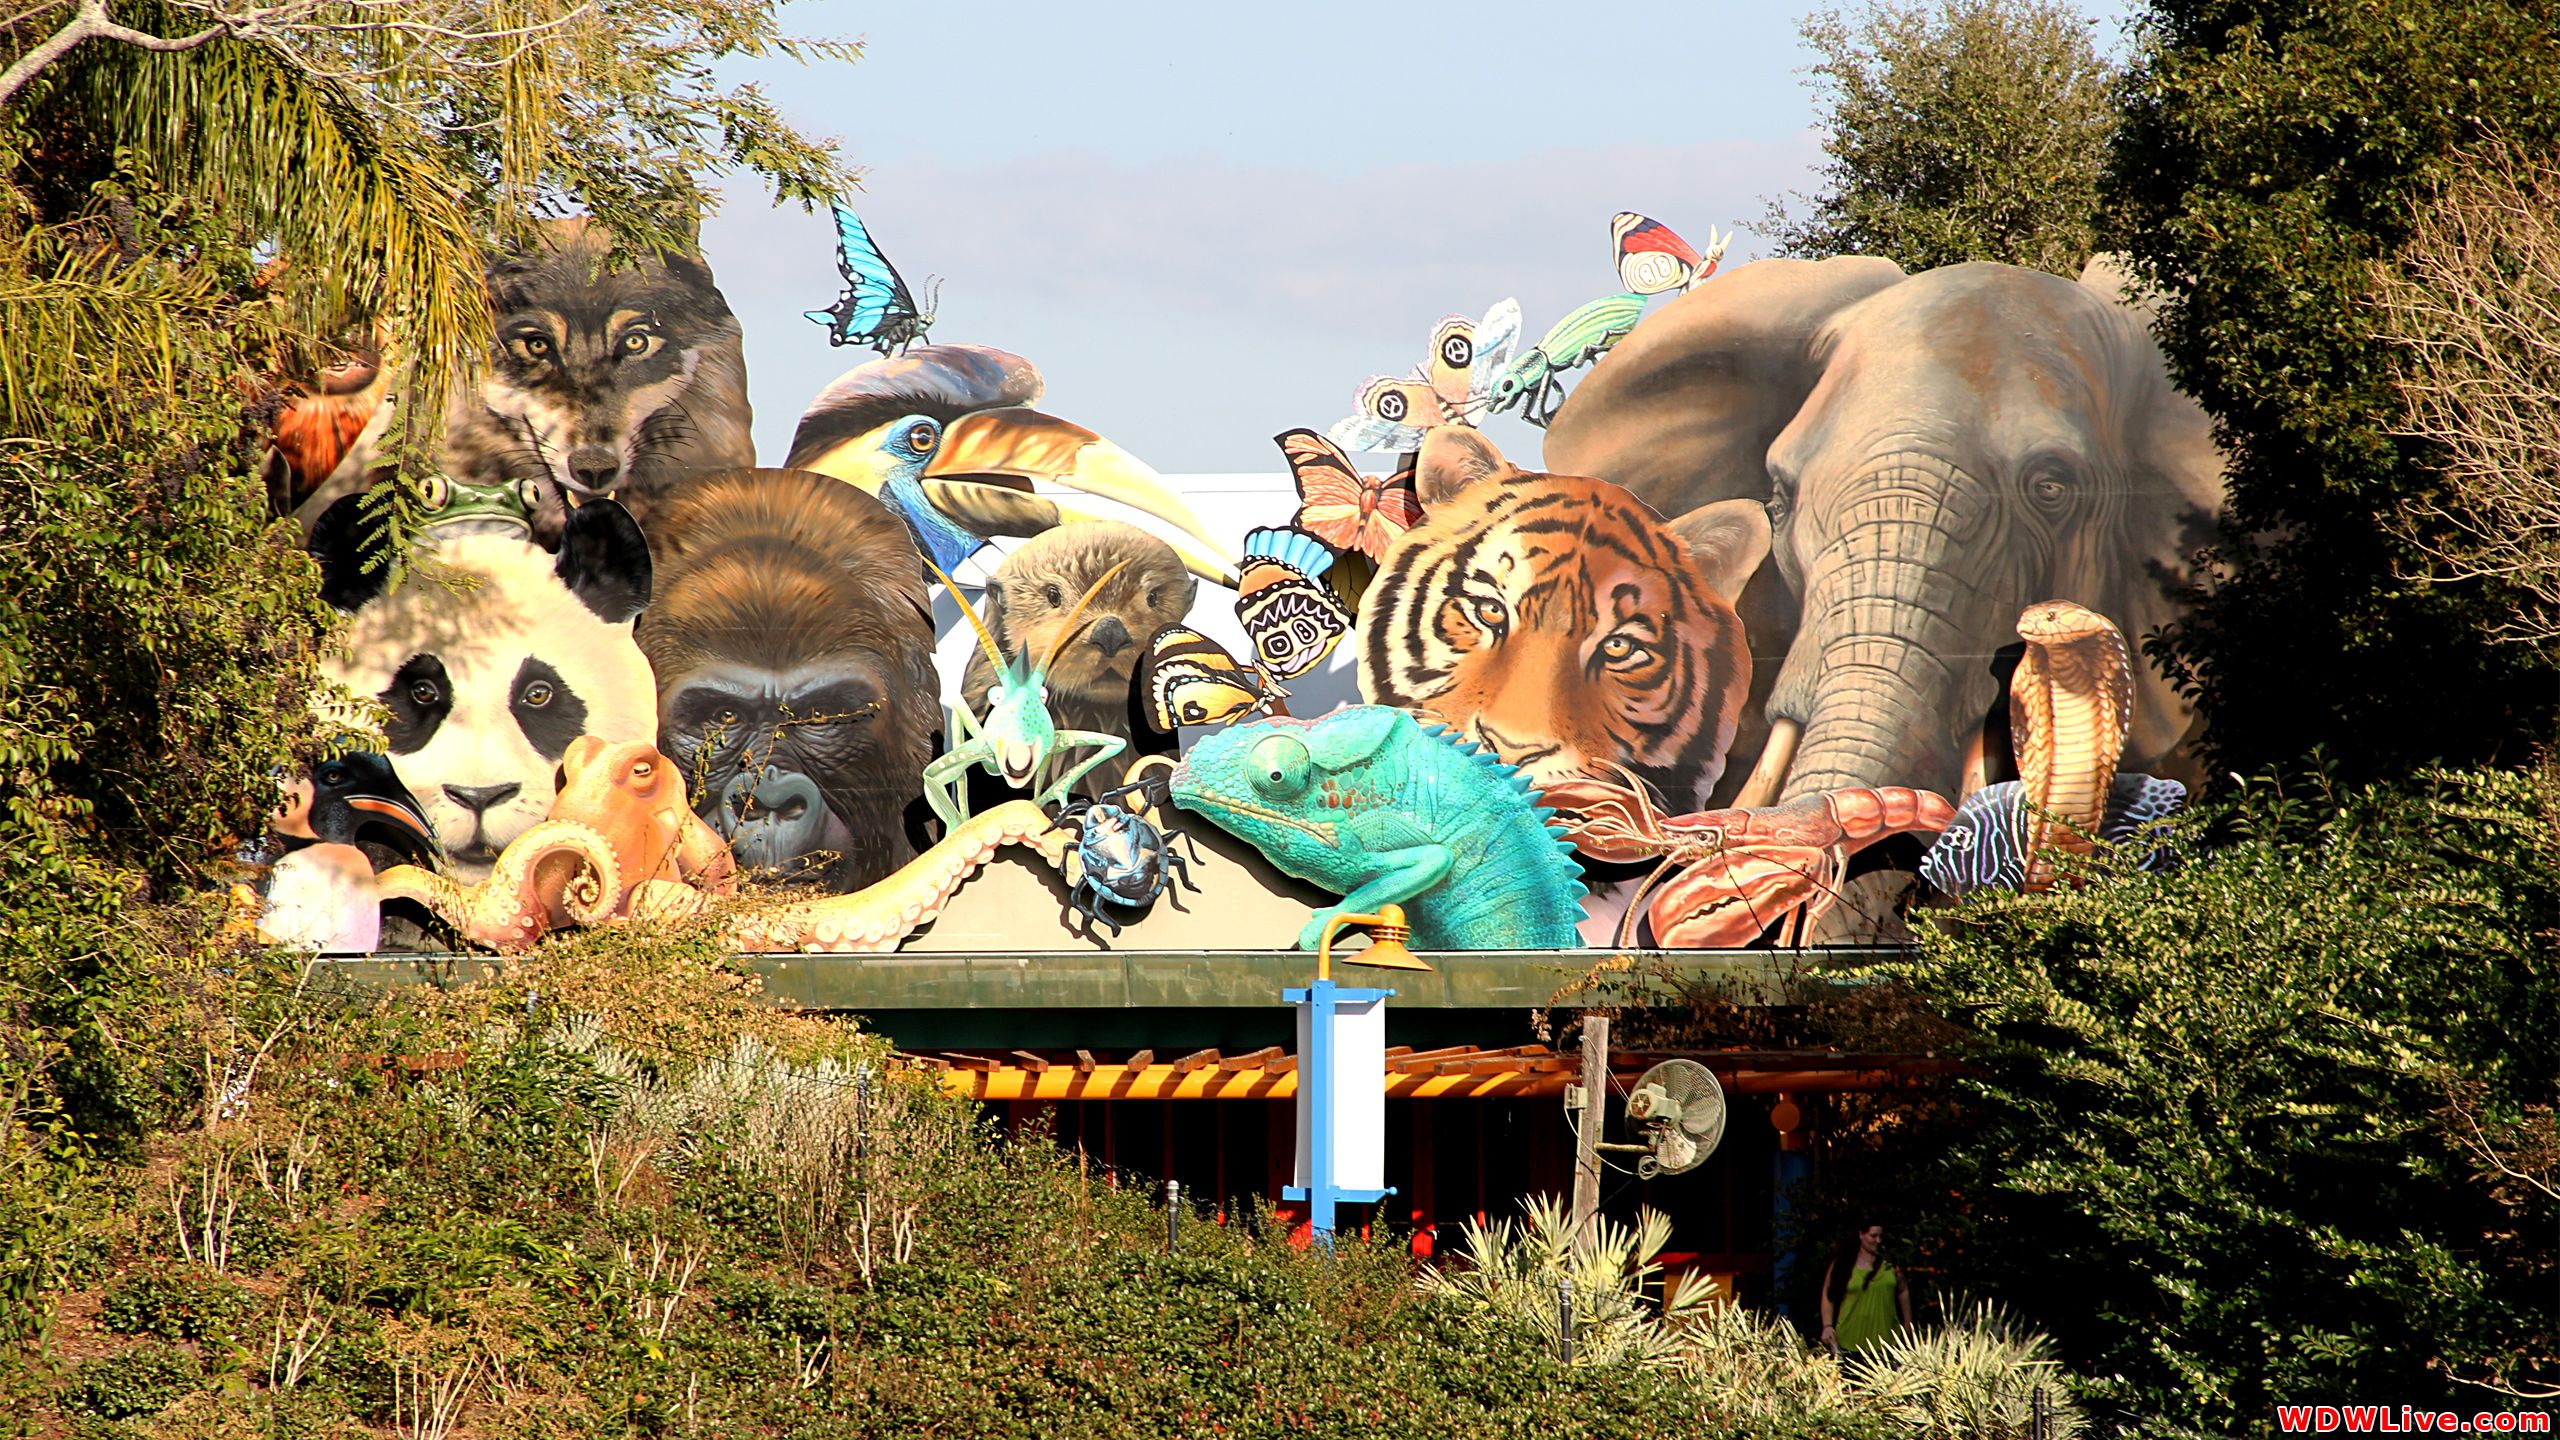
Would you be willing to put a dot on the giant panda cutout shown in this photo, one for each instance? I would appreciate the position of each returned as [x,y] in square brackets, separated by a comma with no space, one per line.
[491,657]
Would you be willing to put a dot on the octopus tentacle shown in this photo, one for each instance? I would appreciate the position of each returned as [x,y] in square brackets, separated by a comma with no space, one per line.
[881,916]
[557,872]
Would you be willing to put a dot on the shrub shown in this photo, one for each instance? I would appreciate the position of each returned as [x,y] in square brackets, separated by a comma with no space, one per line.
[2275,1123]
[1981,1378]
[141,1381]
[177,1302]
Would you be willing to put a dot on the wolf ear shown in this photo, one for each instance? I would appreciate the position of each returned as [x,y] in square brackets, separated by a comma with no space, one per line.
[604,560]
[1727,541]
[1352,734]
[1452,458]
[346,542]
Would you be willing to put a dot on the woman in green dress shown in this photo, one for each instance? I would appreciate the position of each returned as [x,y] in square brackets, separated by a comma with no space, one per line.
[1863,1297]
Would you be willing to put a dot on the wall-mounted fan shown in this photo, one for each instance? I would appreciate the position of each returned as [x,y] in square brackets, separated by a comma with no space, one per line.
[1678,1109]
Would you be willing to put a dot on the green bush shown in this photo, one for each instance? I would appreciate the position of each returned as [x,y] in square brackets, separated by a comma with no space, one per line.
[2275,1124]
[142,1381]
[179,1302]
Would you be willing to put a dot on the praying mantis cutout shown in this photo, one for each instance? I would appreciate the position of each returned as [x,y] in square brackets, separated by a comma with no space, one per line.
[1018,736]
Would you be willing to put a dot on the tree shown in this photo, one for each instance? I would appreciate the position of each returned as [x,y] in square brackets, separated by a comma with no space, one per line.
[1964,130]
[158,636]
[2275,1124]
[2274,155]
[2473,304]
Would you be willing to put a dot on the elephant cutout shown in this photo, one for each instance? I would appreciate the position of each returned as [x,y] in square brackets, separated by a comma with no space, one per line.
[1937,452]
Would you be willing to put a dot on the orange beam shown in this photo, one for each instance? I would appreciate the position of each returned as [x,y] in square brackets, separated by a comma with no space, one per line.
[1278,1080]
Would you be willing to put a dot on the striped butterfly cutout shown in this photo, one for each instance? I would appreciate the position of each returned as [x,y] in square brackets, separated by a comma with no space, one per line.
[1342,507]
[1192,680]
[1292,617]
[1452,387]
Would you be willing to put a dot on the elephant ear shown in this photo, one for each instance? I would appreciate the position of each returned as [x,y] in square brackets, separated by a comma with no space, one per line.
[1454,457]
[2139,572]
[1683,410]
[1727,540]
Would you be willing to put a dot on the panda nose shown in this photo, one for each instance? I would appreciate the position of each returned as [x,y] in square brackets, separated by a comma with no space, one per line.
[594,468]
[478,798]
[1111,637]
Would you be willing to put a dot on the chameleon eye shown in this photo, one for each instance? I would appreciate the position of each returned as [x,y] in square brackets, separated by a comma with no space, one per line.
[1278,767]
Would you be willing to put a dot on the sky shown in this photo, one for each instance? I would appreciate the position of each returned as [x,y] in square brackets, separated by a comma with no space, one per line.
[1208,223]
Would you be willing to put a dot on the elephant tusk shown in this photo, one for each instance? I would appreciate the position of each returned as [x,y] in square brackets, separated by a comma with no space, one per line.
[1977,762]
[1771,773]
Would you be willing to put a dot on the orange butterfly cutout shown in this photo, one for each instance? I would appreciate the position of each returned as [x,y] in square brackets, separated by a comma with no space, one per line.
[1342,507]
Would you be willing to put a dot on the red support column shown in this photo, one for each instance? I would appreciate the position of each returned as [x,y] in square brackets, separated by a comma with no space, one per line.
[1426,1165]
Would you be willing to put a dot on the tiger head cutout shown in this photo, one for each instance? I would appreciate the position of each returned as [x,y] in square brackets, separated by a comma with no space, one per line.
[1563,623]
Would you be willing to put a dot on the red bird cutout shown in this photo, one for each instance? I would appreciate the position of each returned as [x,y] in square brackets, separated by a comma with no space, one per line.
[1342,507]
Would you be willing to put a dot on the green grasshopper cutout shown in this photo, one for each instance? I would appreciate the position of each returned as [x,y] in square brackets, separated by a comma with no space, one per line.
[1018,736]
[1530,383]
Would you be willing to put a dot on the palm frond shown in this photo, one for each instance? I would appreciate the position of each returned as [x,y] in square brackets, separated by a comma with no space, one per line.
[369,221]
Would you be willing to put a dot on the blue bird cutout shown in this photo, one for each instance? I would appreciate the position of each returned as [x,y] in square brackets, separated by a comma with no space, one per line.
[905,447]
[876,309]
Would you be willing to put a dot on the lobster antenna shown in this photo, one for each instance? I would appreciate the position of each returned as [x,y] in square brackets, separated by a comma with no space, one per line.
[1067,631]
[995,652]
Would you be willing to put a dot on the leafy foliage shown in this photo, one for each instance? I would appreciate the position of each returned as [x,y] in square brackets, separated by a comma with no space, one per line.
[2473,306]
[2274,154]
[1957,130]
[184,228]
[2328,1045]
[529,1217]
[1515,1267]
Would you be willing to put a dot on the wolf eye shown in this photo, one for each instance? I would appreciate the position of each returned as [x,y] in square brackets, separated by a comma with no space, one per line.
[636,343]
[537,694]
[533,345]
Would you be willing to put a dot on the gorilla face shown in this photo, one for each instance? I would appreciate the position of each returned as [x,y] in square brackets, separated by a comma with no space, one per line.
[778,759]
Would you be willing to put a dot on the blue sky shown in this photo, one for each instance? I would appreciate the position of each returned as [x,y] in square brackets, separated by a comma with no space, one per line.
[1207,223]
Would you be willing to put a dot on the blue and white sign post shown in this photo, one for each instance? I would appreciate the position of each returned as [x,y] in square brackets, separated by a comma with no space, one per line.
[1342,1076]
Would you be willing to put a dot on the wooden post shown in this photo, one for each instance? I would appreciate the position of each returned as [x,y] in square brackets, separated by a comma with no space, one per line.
[1595,1111]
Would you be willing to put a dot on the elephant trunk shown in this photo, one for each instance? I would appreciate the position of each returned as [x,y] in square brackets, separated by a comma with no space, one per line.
[1883,676]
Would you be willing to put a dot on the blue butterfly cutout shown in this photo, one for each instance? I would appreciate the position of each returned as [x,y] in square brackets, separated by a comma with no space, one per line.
[876,309]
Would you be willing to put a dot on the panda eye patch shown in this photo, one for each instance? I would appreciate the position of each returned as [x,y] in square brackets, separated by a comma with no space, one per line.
[418,698]
[546,708]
